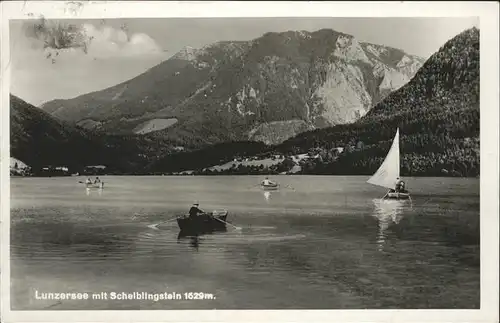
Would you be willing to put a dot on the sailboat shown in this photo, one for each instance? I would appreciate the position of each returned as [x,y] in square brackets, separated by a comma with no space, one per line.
[388,172]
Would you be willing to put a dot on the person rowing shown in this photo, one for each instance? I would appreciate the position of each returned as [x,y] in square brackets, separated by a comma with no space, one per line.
[97,180]
[194,211]
[267,182]
[88,181]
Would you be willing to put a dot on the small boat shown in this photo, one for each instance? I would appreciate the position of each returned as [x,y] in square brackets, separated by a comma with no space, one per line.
[95,185]
[388,172]
[203,223]
[271,186]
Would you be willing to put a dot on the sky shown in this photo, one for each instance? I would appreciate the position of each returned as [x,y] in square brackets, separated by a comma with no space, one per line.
[121,49]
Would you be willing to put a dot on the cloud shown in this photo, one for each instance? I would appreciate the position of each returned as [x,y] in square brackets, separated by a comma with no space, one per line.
[110,42]
[56,38]
[52,60]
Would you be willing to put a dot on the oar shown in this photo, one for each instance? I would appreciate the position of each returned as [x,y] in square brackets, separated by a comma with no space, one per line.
[156,225]
[237,228]
[287,185]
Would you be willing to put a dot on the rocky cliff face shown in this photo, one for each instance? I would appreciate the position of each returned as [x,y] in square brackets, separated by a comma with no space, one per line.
[267,89]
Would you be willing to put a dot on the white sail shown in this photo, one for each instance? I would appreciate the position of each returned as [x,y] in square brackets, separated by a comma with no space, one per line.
[387,173]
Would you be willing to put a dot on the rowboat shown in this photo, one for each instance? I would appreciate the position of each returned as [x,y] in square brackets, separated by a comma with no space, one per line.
[94,185]
[270,187]
[203,223]
[388,172]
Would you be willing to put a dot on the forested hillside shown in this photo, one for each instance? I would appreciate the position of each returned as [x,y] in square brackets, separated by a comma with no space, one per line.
[217,154]
[40,140]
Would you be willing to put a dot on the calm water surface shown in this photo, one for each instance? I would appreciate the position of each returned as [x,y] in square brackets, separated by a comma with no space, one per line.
[321,242]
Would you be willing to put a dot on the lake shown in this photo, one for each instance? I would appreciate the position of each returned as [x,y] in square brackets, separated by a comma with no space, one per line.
[320,242]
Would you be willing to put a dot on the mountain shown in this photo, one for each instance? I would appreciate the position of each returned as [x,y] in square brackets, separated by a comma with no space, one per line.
[268,89]
[437,113]
[38,140]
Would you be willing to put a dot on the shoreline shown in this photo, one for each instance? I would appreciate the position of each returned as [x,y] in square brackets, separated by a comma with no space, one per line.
[255,175]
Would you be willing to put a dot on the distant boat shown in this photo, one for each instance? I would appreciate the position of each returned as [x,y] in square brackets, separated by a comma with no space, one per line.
[388,172]
[94,185]
[270,185]
[203,223]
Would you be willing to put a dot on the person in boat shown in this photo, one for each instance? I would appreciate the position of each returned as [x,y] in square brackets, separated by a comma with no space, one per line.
[97,180]
[88,181]
[400,185]
[194,211]
[266,181]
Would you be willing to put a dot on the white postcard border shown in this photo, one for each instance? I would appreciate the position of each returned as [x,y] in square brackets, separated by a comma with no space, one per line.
[489,141]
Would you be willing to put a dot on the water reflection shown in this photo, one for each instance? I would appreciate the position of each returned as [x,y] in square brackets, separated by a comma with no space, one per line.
[267,196]
[194,240]
[387,212]
[98,191]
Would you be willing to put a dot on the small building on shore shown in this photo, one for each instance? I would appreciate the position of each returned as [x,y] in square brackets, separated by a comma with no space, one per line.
[50,171]
[94,170]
